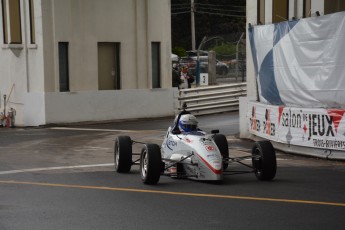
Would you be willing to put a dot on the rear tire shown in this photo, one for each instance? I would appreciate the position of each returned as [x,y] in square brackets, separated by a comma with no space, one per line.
[150,164]
[222,144]
[264,160]
[123,154]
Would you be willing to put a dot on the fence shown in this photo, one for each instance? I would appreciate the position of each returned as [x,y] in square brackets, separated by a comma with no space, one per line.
[212,99]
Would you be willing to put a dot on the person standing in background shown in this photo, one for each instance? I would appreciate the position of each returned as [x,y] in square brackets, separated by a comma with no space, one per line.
[186,78]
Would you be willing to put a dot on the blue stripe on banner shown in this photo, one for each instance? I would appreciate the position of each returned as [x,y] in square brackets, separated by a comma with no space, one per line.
[253,48]
[269,89]
[282,29]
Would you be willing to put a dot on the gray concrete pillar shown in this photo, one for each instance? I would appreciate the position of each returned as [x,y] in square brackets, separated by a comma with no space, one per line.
[212,67]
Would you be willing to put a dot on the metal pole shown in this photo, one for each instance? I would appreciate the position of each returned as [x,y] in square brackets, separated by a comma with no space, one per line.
[192,23]
[237,55]
[4,105]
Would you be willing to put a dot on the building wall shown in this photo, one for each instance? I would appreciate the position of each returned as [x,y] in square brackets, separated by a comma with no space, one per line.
[159,17]
[91,106]
[33,69]
[84,23]
[21,65]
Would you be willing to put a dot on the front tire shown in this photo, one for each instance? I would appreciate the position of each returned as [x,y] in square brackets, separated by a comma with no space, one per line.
[150,164]
[264,160]
[222,144]
[123,154]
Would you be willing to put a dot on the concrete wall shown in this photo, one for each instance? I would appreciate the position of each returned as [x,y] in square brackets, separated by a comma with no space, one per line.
[21,65]
[84,23]
[107,105]
[32,70]
[159,17]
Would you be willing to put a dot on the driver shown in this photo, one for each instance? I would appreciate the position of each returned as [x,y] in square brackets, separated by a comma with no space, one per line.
[188,123]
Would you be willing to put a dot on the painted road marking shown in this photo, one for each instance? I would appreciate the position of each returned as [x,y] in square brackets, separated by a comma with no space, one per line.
[105,130]
[90,148]
[53,168]
[66,167]
[177,193]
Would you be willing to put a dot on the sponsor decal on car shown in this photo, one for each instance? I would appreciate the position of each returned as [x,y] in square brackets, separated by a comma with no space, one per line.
[171,144]
[208,165]
[210,148]
[188,140]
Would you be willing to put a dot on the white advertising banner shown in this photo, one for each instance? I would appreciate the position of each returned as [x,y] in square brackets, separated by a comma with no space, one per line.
[318,128]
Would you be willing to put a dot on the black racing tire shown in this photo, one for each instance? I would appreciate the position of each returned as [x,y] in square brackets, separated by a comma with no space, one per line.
[150,164]
[123,154]
[222,144]
[264,160]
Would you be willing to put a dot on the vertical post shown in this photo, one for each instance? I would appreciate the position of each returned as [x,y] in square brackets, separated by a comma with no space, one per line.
[198,62]
[192,23]
[5,104]
[237,56]
[243,63]
[212,67]
[197,82]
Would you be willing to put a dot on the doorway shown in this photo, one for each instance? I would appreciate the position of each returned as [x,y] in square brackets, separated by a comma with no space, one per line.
[109,66]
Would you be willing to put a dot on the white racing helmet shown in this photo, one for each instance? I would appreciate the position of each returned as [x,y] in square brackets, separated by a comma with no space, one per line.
[188,123]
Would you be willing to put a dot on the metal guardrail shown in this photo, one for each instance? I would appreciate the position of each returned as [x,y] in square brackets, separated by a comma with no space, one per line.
[212,99]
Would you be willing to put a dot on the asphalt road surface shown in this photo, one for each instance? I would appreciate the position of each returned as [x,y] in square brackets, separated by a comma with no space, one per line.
[63,178]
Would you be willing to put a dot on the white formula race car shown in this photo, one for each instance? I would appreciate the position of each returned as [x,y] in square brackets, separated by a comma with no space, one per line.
[194,155]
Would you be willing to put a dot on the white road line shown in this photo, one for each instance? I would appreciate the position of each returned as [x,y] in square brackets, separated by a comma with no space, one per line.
[53,168]
[97,148]
[67,167]
[278,159]
[104,130]
[90,148]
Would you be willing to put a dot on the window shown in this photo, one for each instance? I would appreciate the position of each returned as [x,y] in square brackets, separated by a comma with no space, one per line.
[63,67]
[4,21]
[306,8]
[333,6]
[32,22]
[15,22]
[155,54]
[12,31]
[261,12]
[280,10]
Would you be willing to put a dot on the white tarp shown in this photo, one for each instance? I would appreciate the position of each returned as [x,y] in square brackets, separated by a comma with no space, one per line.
[301,63]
